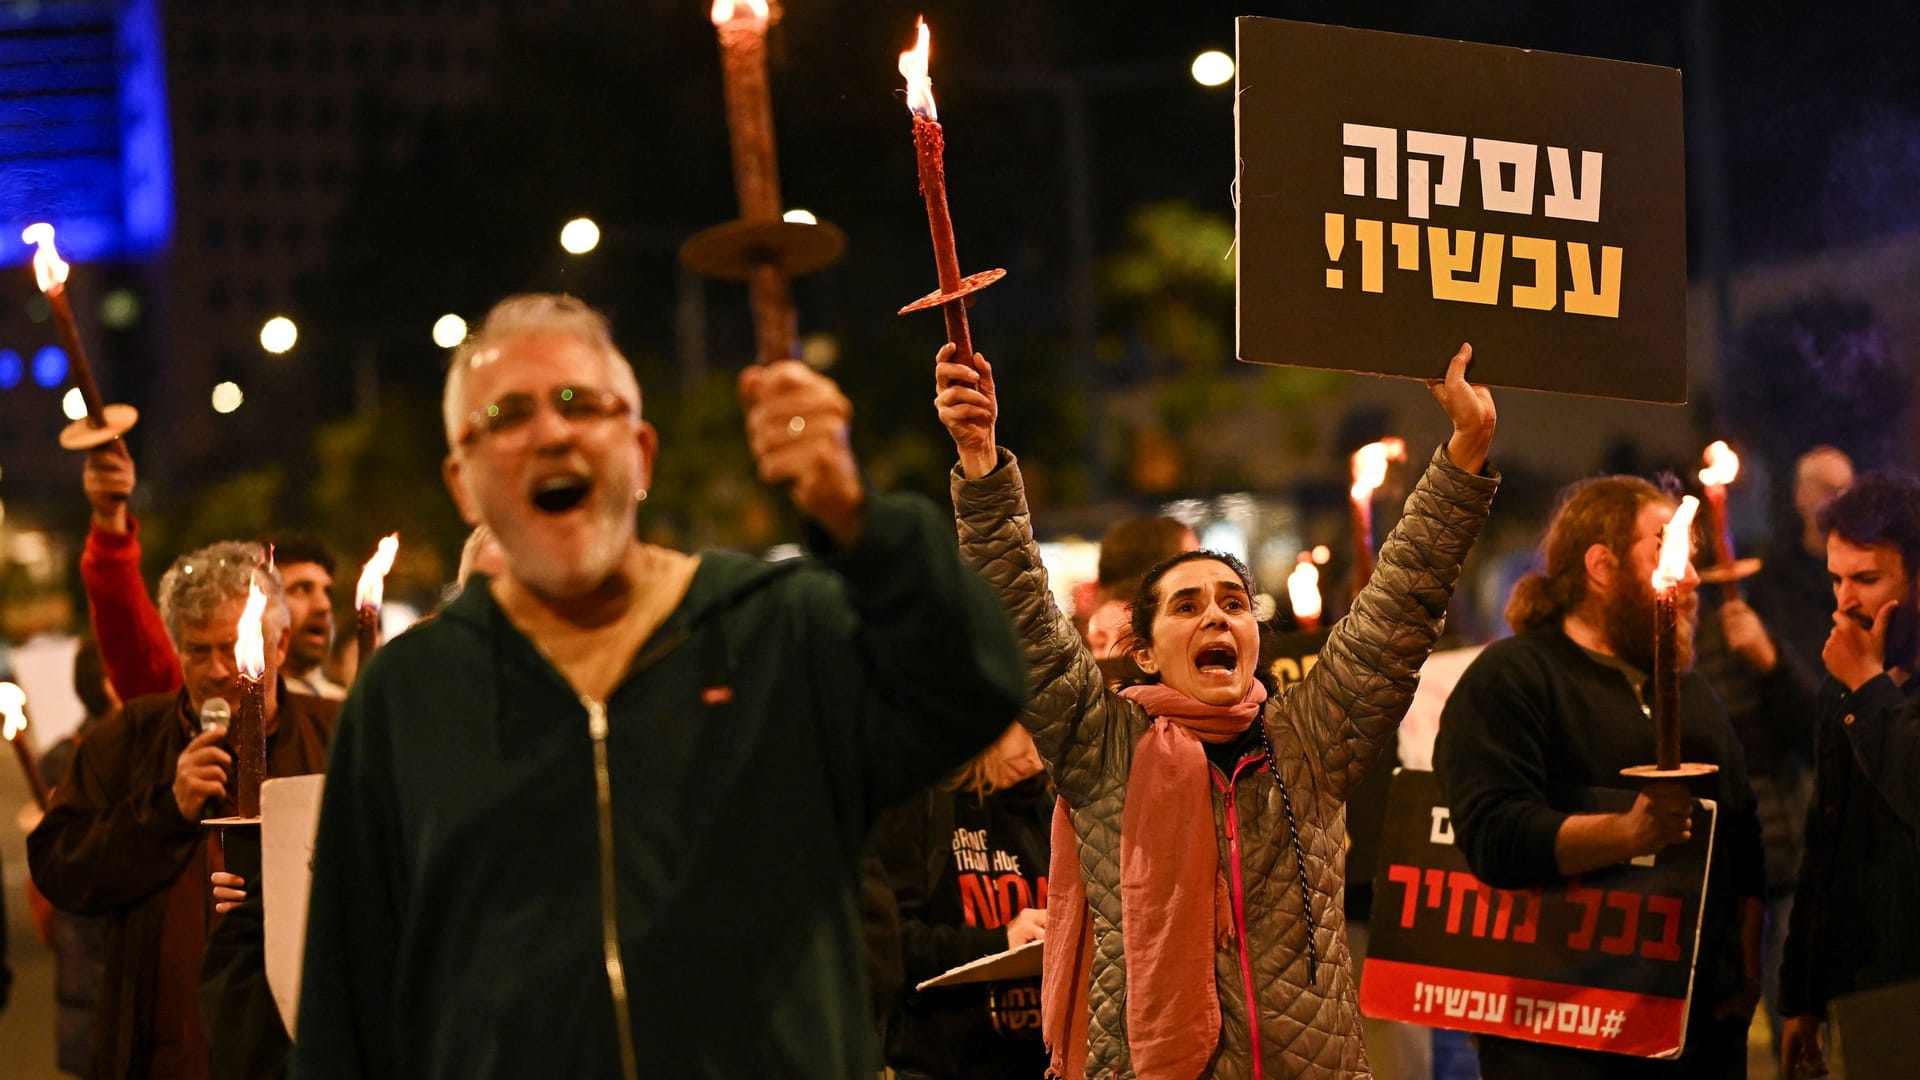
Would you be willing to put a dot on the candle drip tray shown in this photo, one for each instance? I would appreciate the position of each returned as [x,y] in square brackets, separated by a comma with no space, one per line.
[969,285]
[229,822]
[733,250]
[1724,573]
[1687,771]
[115,421]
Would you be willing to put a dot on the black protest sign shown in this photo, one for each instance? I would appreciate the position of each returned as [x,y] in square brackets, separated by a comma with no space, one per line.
[1600,962]
[1398,195]
[1289,655]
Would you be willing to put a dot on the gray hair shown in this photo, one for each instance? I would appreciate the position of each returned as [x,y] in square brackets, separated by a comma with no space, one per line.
[533,313]
[200,582]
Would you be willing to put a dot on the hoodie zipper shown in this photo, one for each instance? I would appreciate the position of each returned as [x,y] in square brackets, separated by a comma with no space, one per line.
[1240,907]
[609,914]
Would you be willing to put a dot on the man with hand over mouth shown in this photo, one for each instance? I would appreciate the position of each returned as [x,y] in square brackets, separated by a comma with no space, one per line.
[603,816]
[1853,925]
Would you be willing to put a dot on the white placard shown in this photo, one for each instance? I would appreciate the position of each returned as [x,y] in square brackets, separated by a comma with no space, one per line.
[289,818]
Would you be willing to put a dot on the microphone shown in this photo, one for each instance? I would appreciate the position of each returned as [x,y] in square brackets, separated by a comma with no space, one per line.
[214,713]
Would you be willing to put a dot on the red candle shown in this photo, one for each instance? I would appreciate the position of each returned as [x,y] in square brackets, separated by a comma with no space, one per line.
[930,148]
[1722,466]
[1303,592]
[1666,680]
[247,740]
[247,734]
[1369,467]
[369,594]
[742,26]
[50,274]
[1362,528]
[1676,544]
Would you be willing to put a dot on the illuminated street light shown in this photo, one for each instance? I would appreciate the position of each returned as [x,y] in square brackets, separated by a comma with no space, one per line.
[227,397]
[449,331]
[74,405]
[1213,68]
[277,336]
[579,236]
[800,217]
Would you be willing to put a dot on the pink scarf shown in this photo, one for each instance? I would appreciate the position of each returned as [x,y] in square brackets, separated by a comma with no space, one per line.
[1171,890]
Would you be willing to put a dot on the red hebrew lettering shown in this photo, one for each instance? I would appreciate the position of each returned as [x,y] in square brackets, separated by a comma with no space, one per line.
[1459,885]
[1436,880]
[1589,899]
[1410,877]
[1622,943]
[1668,947]
[1529,927]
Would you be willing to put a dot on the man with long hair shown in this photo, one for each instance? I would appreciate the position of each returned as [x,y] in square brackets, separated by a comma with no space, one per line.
[1562,706]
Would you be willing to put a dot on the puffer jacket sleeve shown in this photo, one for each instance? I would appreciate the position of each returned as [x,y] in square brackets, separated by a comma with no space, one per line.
[1357,694]
[1078,727]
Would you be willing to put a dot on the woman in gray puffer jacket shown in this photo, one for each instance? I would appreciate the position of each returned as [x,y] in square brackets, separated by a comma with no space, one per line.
[1219,838]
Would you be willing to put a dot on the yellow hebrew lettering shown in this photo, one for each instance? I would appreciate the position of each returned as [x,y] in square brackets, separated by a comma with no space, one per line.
[1373,254]
[1544,293]
[1285,671]
[1336,242]
[1582,299]
[1406,244]
[1449,263]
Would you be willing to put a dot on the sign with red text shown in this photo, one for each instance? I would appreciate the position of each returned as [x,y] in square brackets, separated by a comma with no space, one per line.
[1398,195]
[1604,961]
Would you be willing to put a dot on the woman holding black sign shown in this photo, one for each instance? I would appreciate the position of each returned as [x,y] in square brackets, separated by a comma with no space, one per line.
[1210,811]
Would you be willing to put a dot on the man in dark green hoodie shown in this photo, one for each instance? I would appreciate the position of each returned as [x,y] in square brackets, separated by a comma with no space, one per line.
[603,816]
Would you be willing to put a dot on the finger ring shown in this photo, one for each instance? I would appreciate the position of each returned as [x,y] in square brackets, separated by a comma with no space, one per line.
[796,425]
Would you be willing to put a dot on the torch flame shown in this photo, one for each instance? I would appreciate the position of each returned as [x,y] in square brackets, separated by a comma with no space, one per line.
[250,652]
[1676,546]
[1303,588]
[13,701]
[913,64]
[1370,465]
[49,271]
[725,11]
[1722,465]
[373,579]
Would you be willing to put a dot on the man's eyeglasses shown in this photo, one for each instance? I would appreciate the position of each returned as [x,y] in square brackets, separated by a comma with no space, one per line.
[511,414]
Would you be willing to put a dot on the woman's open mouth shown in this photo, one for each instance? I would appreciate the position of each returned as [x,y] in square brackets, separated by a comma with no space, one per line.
[1216,660]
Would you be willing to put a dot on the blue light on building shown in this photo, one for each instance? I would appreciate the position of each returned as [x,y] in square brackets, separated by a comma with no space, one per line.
[50,366]
[84,141]
[11,369]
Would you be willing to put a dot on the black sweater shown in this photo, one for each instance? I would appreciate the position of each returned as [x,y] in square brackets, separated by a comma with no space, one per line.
[1535,719]
[952,913]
